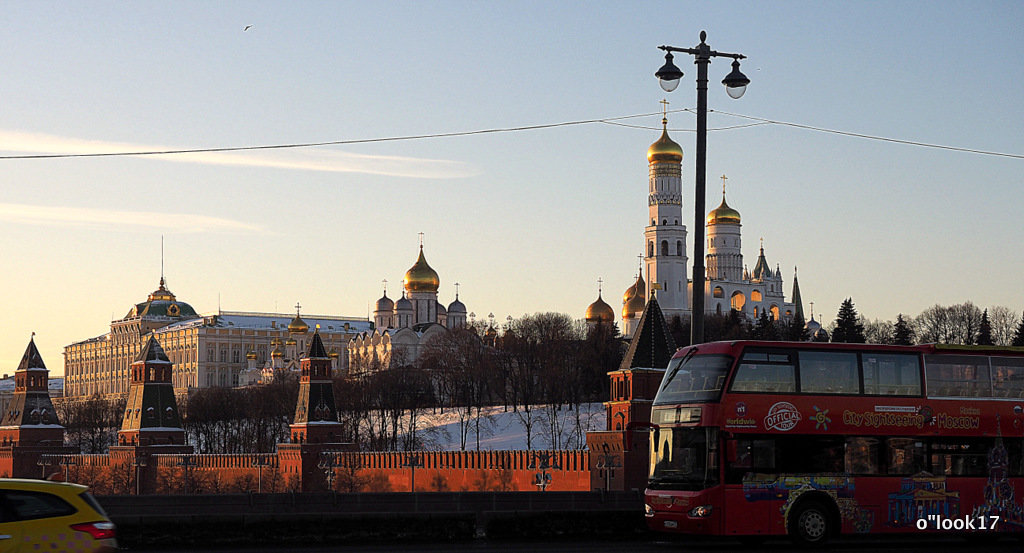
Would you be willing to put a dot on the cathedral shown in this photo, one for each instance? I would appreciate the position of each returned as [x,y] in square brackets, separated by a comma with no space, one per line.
[729,284]
[402,327]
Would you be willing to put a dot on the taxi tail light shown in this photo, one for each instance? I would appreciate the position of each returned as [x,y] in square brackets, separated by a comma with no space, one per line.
[98,530]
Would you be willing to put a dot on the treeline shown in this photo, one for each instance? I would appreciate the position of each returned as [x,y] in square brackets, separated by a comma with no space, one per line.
[543,368]
[961,324]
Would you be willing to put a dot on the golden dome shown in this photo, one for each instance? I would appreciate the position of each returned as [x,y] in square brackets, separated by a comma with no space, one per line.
[420,277]
[290,342]
[724,214]
[665,150]
[277,353]
[298,326]
[634,298]
[333,354]
[600,311]
[251,355]
[161,293]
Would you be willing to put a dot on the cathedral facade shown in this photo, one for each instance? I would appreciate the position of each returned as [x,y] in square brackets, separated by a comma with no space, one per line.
[402,327]
[729,284]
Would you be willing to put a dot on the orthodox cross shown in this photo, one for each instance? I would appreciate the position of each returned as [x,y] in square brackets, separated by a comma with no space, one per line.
[724,178]
[385,281]
[664,107]
[421,240]
[297,308]
[456,290]
[599,281]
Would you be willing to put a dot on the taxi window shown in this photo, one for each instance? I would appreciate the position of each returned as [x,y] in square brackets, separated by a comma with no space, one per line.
[26,505]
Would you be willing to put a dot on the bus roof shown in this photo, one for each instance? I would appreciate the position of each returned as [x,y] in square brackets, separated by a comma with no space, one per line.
[736,345]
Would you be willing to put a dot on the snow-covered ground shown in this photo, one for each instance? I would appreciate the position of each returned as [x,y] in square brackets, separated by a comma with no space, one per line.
[503,430]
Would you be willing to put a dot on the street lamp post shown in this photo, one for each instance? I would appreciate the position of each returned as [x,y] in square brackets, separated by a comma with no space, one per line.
[735,84]
[139,463]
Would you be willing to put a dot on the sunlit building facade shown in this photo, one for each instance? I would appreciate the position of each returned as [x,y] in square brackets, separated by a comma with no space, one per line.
[208,350]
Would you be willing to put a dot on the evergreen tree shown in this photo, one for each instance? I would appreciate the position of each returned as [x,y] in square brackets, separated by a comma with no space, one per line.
[903,334]
[985,331]
[1018,337]
[765,328]
[796,330]
[848,328]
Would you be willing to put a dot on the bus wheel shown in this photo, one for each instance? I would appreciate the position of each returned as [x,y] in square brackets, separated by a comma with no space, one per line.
[809,524]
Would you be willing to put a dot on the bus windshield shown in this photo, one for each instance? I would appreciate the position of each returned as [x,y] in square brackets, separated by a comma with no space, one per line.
[684,458]
[693,378]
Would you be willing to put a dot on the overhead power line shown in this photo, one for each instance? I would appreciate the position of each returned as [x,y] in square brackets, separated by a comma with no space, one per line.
[605,120]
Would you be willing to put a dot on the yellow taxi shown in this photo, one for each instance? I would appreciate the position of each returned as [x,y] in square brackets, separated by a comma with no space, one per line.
[38,515]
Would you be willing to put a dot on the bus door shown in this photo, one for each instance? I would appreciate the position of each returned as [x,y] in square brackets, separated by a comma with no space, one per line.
[750,488]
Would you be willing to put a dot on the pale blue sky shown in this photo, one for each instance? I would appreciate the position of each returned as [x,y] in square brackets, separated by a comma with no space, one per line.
[525,221]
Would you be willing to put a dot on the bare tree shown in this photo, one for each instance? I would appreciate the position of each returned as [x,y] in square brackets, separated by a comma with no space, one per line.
[1004,324]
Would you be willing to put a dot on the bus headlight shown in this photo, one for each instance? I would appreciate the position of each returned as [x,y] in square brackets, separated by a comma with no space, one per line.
[648,510]
[701,512]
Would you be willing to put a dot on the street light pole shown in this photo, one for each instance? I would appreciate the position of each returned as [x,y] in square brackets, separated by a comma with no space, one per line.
[735,83]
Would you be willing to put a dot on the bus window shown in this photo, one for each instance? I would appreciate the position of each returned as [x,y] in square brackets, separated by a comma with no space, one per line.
[826,372]
[693,378]
[957,376]
[898,375]
[862,455]
[809,454]
[1008,377]
[749,456]
[960,456]
[764,371]
[684,458]
[905,455]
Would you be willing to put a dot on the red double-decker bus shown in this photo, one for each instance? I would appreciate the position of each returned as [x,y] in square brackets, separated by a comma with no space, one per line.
[810,440]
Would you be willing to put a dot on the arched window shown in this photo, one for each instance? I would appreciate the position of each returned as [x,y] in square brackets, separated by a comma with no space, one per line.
[775,312]
[677,221]
[718,292]
[650,249]
[738,300]
[664,221]
[679,248]
[755,295]
[664,247]
[756,312]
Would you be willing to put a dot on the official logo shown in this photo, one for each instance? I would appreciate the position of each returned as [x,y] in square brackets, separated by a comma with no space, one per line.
[782,416]
[741,409]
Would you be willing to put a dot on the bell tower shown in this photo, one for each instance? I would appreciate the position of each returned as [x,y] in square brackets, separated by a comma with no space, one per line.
[665,236]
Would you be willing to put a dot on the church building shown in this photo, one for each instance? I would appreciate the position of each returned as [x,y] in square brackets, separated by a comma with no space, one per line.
[729,284]
[402,327]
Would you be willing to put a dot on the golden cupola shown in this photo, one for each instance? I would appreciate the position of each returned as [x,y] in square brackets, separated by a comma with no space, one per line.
[665,150]
[634,299]
[599,311]
[724,214]
[298,326]
[421,277]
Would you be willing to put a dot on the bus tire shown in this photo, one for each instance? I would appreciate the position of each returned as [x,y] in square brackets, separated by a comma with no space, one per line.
[810,524]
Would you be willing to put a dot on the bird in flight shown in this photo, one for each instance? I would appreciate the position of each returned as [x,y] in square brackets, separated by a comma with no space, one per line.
[247,27]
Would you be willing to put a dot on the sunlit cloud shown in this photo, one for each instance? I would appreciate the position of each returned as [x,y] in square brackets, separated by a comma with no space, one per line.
[113,219]
[305,159]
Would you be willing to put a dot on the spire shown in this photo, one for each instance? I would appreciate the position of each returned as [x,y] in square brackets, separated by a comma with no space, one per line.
[797,301]
[761,269]
[31,359]
[316,346]
[152,352]
[652,345]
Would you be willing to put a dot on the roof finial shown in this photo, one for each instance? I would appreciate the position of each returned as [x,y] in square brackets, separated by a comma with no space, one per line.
[421,240]
[456,291]
[762,245]
[297,308]
[664,114]
[385,281]
[812,310]
[599,281]
[724,178]
[161,261]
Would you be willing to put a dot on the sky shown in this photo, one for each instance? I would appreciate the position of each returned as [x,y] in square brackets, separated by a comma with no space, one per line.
[526,221]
